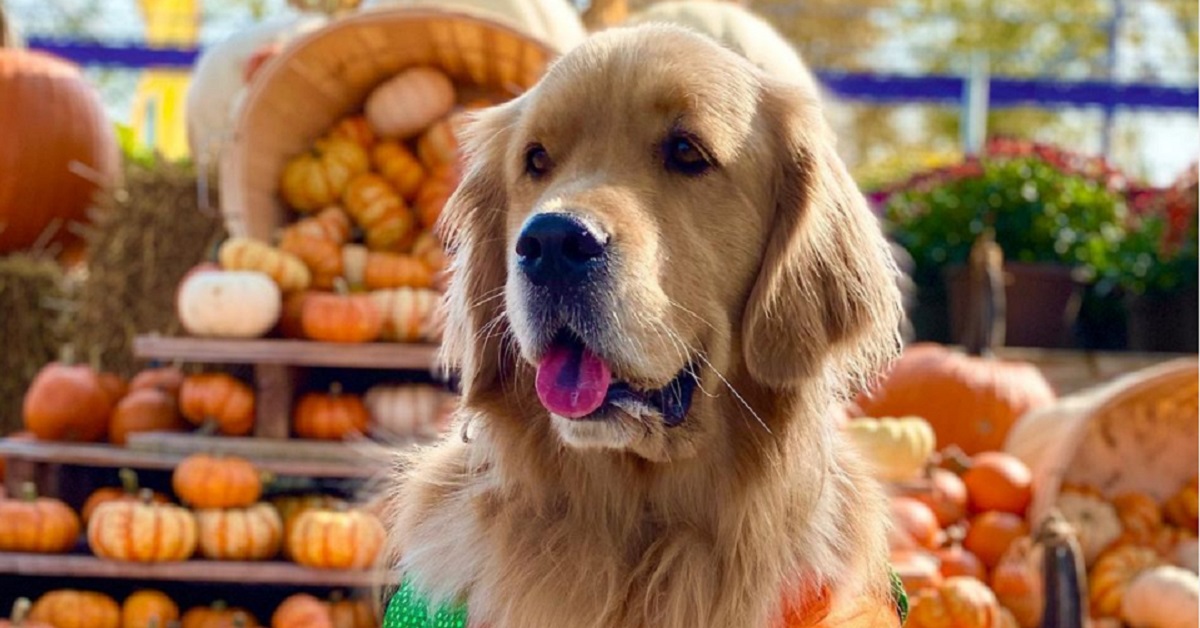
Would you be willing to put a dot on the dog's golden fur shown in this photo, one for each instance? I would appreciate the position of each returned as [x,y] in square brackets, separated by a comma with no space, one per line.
[768,271]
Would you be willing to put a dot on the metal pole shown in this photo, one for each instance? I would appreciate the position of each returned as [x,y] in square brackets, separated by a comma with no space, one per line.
[973,121]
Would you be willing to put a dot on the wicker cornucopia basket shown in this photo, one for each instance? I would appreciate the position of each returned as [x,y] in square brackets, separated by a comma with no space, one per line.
[328,73]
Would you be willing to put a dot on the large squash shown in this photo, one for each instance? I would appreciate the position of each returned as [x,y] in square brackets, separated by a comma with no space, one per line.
[58,147]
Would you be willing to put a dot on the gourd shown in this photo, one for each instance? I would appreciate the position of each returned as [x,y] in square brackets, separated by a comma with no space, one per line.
[409,314]
[393,270]
[331,416]
[142,531]
[400,167]
[410,411]
[70,608]
[341,317]
[435,192]
[326,539]
[355,129]
[1140,516]
[316,179]
[380,212]
[147,608]
[228,304]
[1181,508]
[1162,597]
[897,449]
[252,533]
[437,147]
[204,481]
[322,257]
[302,611]
[285,269]
[29,523]
[218,401]
[354,264]
[330,223]
[409,102]
[1095,521]
[1111,575]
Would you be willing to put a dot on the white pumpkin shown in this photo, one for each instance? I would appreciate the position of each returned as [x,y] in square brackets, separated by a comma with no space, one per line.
[409,411]
[409,102]
[409,314]
[553,22]
[897,449]
[1095,521]
[1163,597]
[354,263]
[228,304]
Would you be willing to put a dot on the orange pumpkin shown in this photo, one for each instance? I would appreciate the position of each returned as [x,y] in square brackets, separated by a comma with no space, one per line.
[351,613]
[1140,515]
[954,560]
[355,129]
[392,270]
[400,167]
[916,520]
[433,195]
[167,379]
[327,539]
[144,410]
[332,416]
[147,608]
[29,523]
[20,616]
[292,506]
[438,145]
[349,318]
[204,481]
[323,257]
[1112,573]
[999,481]
[218,615]
[142,531]
[946,497]
[302,611]
[330,224]
[1181,508]
[129,491]
[69,608]
[317,179]
[382,214]
[218,401]
[254,533]
[114,386]
[1017,582]
[67,402]
[42,196]
[991,533]
[959,602]
[970,402]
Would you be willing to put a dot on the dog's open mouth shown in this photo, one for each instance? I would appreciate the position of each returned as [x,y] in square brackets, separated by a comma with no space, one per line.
[575,383]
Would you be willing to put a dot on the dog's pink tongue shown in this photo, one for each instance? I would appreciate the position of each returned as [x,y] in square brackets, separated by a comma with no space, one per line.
[572,381]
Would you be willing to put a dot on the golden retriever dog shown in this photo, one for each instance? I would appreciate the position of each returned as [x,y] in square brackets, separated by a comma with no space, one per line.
[662,279]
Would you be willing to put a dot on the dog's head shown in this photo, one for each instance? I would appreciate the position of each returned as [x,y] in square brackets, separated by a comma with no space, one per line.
[652,226]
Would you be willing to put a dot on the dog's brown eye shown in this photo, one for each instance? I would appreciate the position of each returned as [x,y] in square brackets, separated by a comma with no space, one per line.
[537,161]
[684,156]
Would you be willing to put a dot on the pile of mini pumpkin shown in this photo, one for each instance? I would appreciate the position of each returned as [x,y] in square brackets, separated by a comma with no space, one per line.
[359,262]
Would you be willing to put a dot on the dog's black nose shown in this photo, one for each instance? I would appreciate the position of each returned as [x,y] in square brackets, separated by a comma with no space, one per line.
[558,249]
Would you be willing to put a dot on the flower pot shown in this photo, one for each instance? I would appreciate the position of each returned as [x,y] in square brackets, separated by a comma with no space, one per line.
[1164,322]
[1036,297]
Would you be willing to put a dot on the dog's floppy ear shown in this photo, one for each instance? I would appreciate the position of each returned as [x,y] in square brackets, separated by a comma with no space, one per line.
[472,226]
[827,288]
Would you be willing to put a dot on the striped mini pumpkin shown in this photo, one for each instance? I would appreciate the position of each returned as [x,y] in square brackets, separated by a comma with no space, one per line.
[328,539]
[253,533]
[142,531]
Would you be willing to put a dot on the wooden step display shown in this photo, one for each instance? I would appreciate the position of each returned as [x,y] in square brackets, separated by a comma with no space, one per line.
[240,572]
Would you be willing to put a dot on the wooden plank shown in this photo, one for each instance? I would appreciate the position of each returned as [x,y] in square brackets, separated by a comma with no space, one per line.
[375,355]
[96,455]
[84,566]
[260,449]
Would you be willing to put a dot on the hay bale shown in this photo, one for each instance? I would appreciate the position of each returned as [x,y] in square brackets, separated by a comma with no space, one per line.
[35,299]
[143,238]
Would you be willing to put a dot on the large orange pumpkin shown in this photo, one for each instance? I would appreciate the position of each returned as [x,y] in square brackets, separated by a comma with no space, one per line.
[29,523]
[204,481]
[129,491]
[147,608]
[143,531]
[970,401]
[144,410]
[302,611]
[253,533]
[336,540]
[49,169]
[67,402]
[69,608]
[217,400]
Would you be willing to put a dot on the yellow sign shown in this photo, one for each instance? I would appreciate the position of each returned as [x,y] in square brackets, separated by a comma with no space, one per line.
[158,105]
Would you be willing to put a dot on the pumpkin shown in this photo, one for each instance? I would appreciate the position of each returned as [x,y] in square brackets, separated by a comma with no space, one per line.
[147,608]
[410,411]
[285,269]
[330,224]
[218,615]
[1095,522]
[438,145]
[991,533]
[435,192]
[228,304]
[340,317]
[400,167]
[204,481]
[67,402]
[1181,508]
[129,491]
[959,602]
[167,379]
[218,400]
[142,531]
[253,533]
[970,402]
[380,212]
[404,105]
[69,608]
[999,481]
[29,523]
[1017,582]
[917,521]
[392,270]
[917,569]
[351,613]
[144,410]
[946,497]
[42,186]
[1162,597]
[302,611]
[329,416]
[291,507]
[316,179]
[354,263]
[1139,515]
[323,257]
[409,314]
[355,129]
[328,539]
[953,560]
[114,386]
[20,616]
[1112,574]
[897,449]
